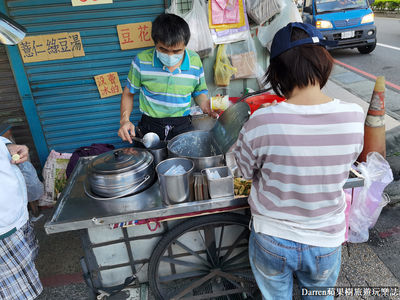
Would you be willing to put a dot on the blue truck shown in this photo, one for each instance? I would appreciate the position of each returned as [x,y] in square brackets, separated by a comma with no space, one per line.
[349,22]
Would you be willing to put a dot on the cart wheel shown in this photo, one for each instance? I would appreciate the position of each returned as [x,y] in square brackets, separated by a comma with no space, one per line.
[202,258]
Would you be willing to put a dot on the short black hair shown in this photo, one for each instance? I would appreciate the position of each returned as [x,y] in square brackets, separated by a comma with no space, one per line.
[170,30]
[298,67]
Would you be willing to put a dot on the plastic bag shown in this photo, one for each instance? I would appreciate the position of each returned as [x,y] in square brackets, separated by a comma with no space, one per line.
[289,13]
[233,34]
[369,200]
[243,56]
[224,11]
[34,186]
[54,177]
[242,19]
[200,36]
[260,10]
[223,69]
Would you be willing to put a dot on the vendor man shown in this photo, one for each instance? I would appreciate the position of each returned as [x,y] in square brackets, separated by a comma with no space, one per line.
[166,77]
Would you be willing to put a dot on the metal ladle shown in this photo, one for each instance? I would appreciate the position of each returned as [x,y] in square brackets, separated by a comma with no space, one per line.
[149,140]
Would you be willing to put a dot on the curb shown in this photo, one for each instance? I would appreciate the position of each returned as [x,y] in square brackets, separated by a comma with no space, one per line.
[388,14]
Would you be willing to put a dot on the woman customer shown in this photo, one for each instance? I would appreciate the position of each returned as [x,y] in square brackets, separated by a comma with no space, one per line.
[298,154]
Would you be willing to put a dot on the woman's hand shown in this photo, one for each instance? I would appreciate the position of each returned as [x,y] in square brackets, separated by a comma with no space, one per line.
[19,153]
[268,104]
[126,130]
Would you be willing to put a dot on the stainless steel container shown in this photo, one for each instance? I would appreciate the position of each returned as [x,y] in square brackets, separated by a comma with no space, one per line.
[176,188]
[120,172]
[219,187]
[160,152]
[198,146]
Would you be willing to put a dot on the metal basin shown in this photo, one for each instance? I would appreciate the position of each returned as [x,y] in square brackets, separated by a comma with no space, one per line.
[198,146]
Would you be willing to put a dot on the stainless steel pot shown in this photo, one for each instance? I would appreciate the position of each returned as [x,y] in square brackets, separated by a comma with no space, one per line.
[120,172]
[160,152]
[198,146]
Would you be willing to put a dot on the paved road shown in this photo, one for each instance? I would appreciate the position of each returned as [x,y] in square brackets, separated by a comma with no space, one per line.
[385,59]
[357,72]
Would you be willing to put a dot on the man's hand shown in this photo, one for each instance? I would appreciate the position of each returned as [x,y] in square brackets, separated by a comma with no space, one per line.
[205,106]
[126,130]
[19,153]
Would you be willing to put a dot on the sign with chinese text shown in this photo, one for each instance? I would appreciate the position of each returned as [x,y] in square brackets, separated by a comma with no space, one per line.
[135,35]
[108,84]
[51,46]
[90,2]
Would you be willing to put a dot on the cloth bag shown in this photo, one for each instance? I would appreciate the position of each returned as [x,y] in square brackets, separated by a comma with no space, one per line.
[93,149]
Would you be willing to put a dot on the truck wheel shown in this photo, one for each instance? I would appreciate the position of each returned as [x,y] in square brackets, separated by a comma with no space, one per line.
[367,49]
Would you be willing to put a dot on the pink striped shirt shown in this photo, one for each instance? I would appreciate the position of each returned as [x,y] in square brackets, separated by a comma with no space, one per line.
[299,157]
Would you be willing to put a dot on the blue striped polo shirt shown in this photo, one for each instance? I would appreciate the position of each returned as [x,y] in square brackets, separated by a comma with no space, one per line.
[163,93]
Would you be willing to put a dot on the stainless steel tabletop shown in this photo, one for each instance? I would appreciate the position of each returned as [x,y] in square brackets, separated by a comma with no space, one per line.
[75,210]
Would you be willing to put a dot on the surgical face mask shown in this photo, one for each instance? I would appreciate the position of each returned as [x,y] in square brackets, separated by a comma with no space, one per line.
[169,60]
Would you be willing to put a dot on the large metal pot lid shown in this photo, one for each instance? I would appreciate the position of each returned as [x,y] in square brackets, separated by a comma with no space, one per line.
[121,160]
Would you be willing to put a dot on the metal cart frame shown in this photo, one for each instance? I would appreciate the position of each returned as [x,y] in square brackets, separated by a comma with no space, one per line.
[137,238]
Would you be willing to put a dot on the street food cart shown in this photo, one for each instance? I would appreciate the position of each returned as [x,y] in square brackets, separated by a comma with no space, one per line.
[194,249]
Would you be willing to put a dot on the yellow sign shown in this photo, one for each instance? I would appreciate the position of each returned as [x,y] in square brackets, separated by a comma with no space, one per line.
[135,35]
[90,2]
[108,84]
[76,44]
[51,46]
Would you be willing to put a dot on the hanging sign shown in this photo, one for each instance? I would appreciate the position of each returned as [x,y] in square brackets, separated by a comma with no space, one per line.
[90,2]
[135,35]
[108,84]
[51,46]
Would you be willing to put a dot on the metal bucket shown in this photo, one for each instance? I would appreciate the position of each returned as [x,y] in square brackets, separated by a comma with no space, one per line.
[160,152]
[199,146]
[176,188]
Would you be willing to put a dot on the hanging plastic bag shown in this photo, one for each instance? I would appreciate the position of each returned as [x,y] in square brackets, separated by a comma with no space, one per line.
[260,10]
[369,200]
[224,11]
[223,69]
[233,34]
[289,13]
[200,36]
[243,56]
[242,21]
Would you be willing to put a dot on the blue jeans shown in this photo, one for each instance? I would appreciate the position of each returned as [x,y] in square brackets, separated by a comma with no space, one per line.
[275,260]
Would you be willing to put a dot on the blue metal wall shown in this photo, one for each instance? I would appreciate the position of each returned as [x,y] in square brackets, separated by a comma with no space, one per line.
[60,97]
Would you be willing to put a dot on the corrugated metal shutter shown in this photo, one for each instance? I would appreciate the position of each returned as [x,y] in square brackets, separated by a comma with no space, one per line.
[68,106]
[11,111]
